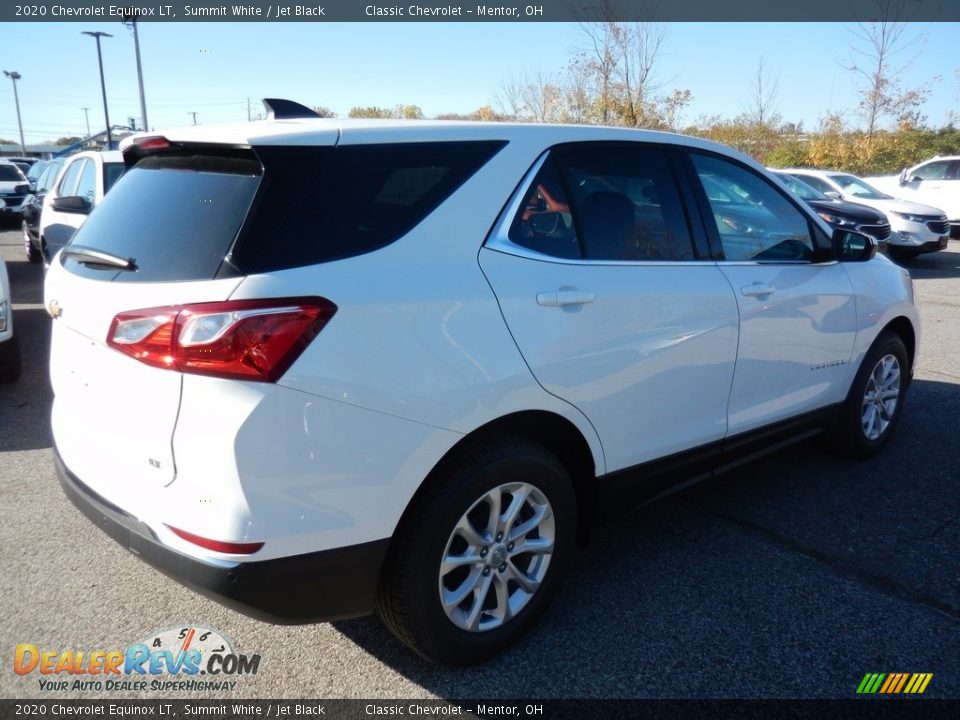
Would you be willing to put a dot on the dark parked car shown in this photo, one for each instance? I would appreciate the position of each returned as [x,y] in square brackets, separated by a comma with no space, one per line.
[33,205]
[839,213]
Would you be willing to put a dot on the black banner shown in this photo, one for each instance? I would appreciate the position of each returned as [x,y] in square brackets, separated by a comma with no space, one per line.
[446,11]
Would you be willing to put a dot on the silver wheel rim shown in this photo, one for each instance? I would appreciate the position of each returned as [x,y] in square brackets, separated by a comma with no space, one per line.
[497,557]
[881,397]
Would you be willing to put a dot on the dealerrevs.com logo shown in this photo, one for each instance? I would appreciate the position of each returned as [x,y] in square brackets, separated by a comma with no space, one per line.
[188,659]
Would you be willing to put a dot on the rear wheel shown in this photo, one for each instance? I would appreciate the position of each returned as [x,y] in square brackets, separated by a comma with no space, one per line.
[481,553]
[876,398]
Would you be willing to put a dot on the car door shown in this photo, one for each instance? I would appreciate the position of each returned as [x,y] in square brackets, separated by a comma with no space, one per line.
[797,311]
[58,226]
[613,306]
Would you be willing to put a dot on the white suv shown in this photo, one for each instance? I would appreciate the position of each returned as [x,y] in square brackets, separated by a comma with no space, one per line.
[80,186]
[933,182]
[316,368]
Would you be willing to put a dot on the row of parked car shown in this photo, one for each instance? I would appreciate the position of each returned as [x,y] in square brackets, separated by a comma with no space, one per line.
[51,198]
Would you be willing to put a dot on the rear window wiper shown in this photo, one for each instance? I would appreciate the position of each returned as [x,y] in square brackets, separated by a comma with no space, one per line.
[90,256]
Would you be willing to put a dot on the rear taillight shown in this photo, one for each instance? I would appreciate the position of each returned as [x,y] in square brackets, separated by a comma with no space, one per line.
[243,339]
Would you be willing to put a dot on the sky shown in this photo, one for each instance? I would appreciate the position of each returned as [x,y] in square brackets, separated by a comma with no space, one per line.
[212,69]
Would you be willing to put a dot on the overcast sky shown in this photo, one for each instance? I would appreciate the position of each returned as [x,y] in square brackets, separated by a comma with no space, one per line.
[213,68]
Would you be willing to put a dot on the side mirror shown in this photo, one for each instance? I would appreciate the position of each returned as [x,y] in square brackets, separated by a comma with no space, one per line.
[853,246]
[73,204]
[833,194]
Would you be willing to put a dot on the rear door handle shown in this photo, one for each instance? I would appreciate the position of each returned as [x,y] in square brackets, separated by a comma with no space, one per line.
[757,290]
[564,297]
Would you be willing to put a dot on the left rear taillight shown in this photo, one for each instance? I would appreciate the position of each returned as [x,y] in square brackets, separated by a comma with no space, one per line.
[240,339]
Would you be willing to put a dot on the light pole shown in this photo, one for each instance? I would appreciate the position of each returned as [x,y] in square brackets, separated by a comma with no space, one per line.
[86,114]
[14,76]
[103,86]
[132,20]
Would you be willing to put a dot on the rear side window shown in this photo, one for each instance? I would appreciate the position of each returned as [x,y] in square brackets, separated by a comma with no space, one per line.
[360,198]
[175,215]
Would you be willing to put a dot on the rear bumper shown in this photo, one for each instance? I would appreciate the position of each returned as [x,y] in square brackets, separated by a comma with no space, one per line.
[316,587]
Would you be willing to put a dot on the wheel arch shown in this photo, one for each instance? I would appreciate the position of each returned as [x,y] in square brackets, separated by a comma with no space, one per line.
[905,330]
[549,429]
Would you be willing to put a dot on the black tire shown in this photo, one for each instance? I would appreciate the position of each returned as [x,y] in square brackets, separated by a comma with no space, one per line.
[32,251]
[10,360]
[852,436]
[409,595]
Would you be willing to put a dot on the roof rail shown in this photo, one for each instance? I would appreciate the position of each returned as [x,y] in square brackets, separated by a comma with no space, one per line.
[279,109]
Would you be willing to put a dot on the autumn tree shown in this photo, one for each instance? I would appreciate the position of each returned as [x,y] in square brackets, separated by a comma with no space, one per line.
[880,56]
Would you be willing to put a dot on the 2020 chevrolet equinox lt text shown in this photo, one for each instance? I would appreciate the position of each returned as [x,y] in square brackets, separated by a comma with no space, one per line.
[316,368]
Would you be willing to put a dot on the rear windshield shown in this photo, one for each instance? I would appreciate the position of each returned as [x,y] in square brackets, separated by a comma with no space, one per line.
[175,215]
[10,173]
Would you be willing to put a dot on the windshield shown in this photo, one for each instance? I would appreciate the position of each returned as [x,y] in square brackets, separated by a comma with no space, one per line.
[10,173]
[801,188]
[858,188]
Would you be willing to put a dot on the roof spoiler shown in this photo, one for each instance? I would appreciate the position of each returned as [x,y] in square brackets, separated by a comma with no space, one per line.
[279,109]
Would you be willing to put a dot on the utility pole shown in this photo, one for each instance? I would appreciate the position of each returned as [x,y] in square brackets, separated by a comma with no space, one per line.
[248,110]
[14,76]
[103,86]
[194,117]
[86,113]
[132,20]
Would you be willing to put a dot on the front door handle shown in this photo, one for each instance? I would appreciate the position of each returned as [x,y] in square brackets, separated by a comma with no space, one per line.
[564,297]
[757,290]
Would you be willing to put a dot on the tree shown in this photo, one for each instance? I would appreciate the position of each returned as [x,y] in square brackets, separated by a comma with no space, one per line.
[67,140]
[409,112]
[370,112]
[761,107]
[324,112]
[877,50]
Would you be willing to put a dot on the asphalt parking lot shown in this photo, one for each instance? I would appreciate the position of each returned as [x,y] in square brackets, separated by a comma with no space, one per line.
[790,578]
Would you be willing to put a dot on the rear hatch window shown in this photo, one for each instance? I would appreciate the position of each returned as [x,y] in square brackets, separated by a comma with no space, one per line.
[176,215]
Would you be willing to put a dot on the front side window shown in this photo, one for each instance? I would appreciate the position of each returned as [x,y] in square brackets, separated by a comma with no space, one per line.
[605,202]
[932,171]
[754,220]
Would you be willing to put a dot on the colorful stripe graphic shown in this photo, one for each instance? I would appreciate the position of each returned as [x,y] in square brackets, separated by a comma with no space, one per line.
[894,683]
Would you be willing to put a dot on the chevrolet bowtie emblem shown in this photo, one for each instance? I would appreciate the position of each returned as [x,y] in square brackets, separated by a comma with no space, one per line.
[54,310]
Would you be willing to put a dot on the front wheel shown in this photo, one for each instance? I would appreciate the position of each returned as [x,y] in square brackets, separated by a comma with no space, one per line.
[481,553]
[876,398]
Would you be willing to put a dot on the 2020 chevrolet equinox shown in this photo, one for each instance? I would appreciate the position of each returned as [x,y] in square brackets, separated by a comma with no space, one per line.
[316,368]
